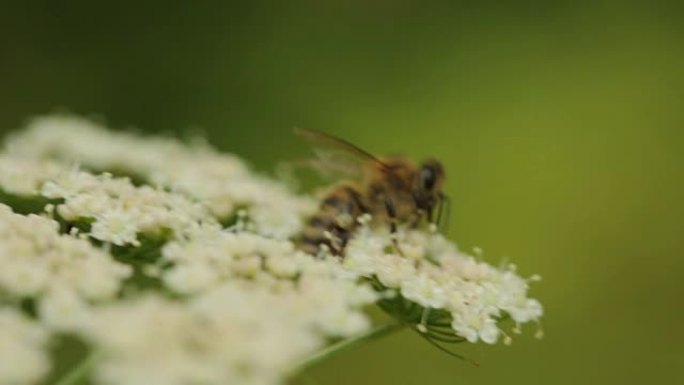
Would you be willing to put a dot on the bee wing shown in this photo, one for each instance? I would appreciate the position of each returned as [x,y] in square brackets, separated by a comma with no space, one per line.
[330,169]
[338,155]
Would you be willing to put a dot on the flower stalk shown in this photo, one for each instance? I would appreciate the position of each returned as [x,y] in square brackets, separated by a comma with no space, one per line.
[78,373]
[347,344]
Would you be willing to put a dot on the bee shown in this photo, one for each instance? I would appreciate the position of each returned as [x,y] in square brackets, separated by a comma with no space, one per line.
[392,190]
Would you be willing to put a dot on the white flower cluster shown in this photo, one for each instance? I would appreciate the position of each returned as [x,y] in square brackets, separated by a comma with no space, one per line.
[236,305]
[23,360]
[328,296]
[253,306]
[121,211]
[236,333]
[22,177]
[60,271]
[222,182]
[271,307]
[432,273]
[117,210]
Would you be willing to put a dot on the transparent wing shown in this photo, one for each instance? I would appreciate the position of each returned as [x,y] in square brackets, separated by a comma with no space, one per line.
[336,156]
[334,168]
[323,139]
[325,168]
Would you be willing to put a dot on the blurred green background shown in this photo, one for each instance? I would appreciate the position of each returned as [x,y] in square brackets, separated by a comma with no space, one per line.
[561,125]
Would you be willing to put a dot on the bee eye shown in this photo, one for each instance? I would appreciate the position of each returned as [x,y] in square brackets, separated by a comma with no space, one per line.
[428,178]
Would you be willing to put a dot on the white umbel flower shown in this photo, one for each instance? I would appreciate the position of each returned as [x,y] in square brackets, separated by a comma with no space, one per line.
[23,344]
[424,290]
[184,272]
[116,226]
[474,326]
[118,211]
[238,333]
[37,262]
[435,275]
[221,181]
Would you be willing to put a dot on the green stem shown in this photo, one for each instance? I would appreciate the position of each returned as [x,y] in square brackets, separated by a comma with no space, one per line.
[346,344]
[80,371]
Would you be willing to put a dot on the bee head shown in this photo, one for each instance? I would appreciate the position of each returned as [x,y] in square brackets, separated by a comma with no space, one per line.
[428,184]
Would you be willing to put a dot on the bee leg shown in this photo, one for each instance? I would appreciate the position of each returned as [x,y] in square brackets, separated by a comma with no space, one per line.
[444,208]
[392,214]
[417,216]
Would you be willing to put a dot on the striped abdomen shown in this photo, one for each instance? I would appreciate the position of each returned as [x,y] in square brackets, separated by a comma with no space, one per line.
[334,222]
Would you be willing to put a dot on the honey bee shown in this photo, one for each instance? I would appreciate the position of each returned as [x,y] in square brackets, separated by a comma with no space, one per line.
[392,190]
